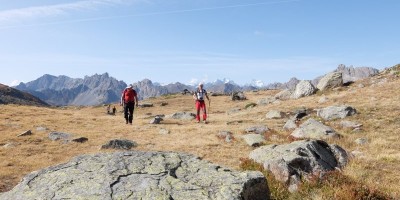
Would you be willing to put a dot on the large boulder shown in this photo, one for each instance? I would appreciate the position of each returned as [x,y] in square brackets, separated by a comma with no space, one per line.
[336,112]
[274,114]
[284,94]
[303,89]
[238,96]
[290,162]
[140,175]
[253,140]
[331,80]
[315,130]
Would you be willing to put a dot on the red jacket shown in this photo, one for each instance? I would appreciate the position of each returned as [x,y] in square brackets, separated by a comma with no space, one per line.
[128,95]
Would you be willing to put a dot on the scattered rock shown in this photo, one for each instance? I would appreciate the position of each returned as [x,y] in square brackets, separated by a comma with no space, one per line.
[360,85]
[238,96]
[265,101]
[140,175]
[225,135]
[10,145]
[261,129]
[233,111]
[336,112]
[26,133]
[80,139]
[253,140]
[59,136]
[164,131]
[156,120]
[284,95]
[300,113]
[119,144]
[315,130]
[186,91]
[290,162]
[350,124]
[234,122]
[274,114]
[163,104]
[41,128]
[146,105]
[183,116]
[331,80]
[303,89]
[290,125]
[361,141]
[323,99]
[357,154]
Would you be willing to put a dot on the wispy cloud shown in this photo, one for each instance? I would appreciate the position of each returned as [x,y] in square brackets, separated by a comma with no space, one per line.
[37,12]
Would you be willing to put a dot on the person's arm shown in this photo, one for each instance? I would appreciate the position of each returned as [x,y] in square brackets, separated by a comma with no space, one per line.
[122,98]
[195,96]
[136,100]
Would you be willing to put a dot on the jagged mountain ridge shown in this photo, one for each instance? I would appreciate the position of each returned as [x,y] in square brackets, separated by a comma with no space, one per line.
[63,90]
[9,95]
[103,89]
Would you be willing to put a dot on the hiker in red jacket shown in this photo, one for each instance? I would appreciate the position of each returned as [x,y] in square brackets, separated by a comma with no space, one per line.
[199,95]
[129,99]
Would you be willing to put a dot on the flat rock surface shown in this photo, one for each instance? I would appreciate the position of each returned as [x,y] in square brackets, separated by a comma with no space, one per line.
[140,175]
[315,130]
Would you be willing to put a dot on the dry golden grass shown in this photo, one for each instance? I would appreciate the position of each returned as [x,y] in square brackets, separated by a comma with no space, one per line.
[378,105]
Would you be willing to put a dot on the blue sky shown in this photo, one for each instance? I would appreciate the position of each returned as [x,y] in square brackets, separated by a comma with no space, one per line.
[195,40]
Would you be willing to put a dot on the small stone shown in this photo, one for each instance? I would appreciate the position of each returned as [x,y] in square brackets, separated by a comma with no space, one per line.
[274,114]
[59,136]
[361,141]
[164,131]
[290,125]
[41,129]
[156,120]
[253,140]
[257,129]
[26,133]
[80,140]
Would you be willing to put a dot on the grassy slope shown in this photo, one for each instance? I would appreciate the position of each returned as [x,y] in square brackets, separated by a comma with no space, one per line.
[378,105]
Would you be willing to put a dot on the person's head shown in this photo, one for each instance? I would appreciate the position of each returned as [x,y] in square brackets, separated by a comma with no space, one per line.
[130,86]
[201,85]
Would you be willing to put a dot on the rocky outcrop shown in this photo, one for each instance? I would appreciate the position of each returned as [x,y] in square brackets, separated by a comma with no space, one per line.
[140,175]
[336,112]
[331,80]
[303,89]
[290,162]
[315,130]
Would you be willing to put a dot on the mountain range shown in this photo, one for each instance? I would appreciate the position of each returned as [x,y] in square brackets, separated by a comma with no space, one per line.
[9,95]
[103,89]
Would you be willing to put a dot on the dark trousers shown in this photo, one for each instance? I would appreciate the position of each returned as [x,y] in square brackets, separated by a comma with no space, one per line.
[128,111]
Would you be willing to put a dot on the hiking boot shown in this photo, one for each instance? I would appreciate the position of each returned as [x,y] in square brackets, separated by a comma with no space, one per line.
[205,122]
